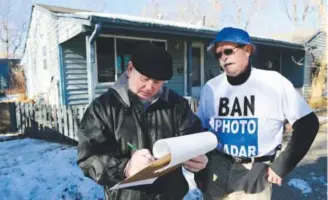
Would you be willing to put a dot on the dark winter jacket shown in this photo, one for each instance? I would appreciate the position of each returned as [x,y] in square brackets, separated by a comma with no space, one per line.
[118,117]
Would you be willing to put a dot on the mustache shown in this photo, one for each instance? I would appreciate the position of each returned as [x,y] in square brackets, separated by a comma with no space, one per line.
[226,64]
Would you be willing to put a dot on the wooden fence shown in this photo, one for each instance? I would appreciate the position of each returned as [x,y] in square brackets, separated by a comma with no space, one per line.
[50,122]
[44,121]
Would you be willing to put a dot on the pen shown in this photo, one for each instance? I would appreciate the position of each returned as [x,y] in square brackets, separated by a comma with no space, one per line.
[133,148]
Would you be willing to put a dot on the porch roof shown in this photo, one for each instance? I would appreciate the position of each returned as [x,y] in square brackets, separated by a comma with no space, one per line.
[172,27]
[158,26]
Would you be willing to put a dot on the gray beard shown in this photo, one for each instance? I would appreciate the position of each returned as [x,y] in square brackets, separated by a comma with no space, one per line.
[151,100]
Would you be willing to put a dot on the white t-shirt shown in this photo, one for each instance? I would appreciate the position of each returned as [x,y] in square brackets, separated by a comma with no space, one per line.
[248,119]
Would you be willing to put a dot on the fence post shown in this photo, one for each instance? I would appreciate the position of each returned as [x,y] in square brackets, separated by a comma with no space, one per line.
[70,122]
[18,117]
[49,113]
[23,111]
[75,118]
[13,117]
[60,121]
[55,114]
[34,122]
[65,121]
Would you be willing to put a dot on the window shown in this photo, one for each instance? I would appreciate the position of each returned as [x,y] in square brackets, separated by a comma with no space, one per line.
[44,57]
[105,60]
[124,49]
[267,58]
[159,44]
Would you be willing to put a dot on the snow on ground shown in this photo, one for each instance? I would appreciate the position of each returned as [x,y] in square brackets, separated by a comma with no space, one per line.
[10,136]
[323,119]
[36,169]
[301,185]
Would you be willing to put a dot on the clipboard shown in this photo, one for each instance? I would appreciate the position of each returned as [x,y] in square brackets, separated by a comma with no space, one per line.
[171,154]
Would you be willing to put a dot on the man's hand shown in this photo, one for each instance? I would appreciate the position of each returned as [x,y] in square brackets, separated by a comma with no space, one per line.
[139,160]
[196,164]
[273,177]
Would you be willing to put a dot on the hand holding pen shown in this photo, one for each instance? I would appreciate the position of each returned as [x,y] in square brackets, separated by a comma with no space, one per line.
[139,160]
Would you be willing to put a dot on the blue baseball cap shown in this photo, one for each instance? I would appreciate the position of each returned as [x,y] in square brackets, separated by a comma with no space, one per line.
[233,35]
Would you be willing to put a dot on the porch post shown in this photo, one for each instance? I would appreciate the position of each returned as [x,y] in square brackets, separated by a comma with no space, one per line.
[189,68]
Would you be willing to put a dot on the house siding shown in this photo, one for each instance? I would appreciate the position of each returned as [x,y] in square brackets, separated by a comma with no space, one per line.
[46,32]
[42,34]
[67,30]
[319,42]
[317,53]
[75,71]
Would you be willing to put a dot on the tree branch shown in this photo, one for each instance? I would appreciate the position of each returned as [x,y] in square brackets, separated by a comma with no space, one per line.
[287,11]
[252,11]
[305,12]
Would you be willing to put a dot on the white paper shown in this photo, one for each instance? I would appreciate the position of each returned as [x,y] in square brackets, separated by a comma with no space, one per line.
[184,148]
[142,182]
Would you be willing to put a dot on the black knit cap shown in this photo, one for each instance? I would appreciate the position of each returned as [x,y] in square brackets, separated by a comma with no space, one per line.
[153,62]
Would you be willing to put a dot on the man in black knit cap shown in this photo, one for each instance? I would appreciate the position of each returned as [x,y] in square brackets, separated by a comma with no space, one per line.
[137,110]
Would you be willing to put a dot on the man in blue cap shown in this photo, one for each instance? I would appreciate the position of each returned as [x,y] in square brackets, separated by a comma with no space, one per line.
[246,108]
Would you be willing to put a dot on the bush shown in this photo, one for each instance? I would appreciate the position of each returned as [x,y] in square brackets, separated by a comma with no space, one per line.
[17,84]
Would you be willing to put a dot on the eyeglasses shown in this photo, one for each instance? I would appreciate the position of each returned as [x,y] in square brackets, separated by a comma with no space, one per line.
[226,52]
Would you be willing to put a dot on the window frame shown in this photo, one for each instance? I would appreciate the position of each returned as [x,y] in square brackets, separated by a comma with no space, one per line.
[115,37]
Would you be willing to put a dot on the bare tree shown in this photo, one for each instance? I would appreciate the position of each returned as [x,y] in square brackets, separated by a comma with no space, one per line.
[4,24]
[244,15]
[99,6]
[187,11]
[11,31]
[207,13]
[152,9]
[298,11]
[319,80]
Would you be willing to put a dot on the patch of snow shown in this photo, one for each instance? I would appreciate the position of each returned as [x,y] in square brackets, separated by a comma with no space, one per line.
[6,98]
[194,194]
[301,185]
[37,169]
[322,119]
[9,136]
[321,179]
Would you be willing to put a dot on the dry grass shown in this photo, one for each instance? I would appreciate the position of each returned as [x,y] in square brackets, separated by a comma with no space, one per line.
[17,83]
[319,85]
[318,103]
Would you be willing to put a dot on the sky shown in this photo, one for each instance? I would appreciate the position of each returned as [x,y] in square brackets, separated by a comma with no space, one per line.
[268,20]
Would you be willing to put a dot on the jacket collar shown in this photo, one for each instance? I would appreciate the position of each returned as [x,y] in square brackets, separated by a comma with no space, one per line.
[122,88]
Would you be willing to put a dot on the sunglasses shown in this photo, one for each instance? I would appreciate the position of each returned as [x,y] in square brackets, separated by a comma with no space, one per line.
[226,52]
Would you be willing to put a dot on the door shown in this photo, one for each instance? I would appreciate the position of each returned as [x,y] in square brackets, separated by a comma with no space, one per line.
[197,72]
